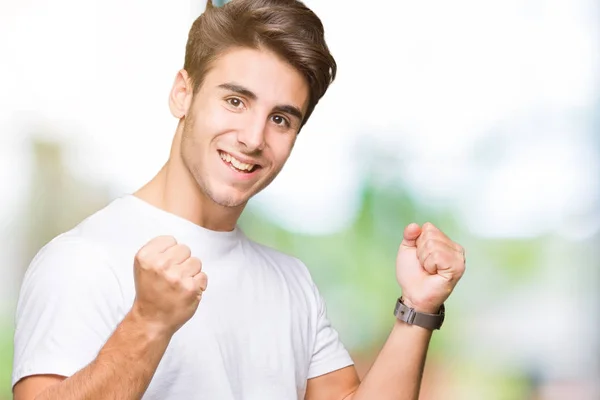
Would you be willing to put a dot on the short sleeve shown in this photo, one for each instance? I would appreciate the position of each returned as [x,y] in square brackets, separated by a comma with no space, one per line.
[68,307]
[329,353]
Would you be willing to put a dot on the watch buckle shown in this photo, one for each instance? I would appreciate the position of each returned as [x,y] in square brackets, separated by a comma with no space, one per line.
[410,318]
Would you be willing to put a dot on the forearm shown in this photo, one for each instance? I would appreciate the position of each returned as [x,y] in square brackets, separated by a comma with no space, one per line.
[123,368]
[398,369]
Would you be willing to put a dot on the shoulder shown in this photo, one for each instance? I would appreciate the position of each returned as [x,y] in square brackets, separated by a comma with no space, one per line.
[66,249]
[73,259]
[97,241]
[86,240]
[78,260]
[68,263]
[70,277]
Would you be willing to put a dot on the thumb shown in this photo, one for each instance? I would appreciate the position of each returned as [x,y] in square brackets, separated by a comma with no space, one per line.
[411,233]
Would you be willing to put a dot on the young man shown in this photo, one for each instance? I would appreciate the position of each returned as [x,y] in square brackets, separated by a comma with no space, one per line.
[119,307]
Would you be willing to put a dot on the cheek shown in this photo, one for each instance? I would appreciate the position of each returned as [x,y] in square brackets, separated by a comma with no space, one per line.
[281,149]
[216,119]
[210,118]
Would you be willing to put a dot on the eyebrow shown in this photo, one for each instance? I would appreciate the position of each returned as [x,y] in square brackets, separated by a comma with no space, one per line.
[292,110]
[239,89]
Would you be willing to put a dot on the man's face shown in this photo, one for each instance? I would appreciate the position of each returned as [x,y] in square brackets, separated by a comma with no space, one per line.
[242,124]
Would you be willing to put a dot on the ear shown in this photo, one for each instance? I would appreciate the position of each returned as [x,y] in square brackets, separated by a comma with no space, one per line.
[181,95]
[209,4]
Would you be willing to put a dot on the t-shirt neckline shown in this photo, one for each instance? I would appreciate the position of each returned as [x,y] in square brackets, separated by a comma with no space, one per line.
[189,233]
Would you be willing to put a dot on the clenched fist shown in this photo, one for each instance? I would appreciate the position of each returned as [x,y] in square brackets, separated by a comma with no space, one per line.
[168,284]
[428,267]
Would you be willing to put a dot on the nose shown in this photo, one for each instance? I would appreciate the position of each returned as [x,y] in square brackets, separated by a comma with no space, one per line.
[252,136]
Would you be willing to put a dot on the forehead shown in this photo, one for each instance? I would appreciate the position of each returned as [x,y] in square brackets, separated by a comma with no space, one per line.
[272,79]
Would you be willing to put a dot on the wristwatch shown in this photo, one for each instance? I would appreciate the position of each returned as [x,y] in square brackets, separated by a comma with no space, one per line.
[412,317]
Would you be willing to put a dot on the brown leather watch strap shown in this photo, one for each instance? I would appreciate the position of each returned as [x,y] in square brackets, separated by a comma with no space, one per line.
[424,320]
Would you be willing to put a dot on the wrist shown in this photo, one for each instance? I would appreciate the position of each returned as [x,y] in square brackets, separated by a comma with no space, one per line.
[153,330]
[408,314]
[422,307]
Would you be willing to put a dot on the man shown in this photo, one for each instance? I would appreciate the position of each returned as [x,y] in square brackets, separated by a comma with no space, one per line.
[120,307]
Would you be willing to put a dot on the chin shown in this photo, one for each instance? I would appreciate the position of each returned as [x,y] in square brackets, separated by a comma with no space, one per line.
[231,201]
[228,197]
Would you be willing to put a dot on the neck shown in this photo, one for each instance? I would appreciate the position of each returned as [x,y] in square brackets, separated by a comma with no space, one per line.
[174,189]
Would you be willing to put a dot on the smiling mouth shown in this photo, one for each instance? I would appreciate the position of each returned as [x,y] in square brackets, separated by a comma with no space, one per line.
[236,164]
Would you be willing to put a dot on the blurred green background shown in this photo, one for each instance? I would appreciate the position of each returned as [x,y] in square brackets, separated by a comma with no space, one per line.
[483,118]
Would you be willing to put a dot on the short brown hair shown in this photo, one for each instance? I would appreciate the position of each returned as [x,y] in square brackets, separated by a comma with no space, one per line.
[286,27]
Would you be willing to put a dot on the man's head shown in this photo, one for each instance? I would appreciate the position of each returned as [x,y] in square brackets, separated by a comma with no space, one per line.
[254,71]
[286,27]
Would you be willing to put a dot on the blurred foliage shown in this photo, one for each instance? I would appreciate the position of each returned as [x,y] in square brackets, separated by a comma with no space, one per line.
[57,200]
[354,269]
[517,258]
[6,355]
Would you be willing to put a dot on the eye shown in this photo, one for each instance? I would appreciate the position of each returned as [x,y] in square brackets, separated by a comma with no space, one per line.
[235,102]
[280,121]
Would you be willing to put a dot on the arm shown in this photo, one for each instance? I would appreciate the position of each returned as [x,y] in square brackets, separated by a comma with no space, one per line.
[398,369]
[169,285]
[123,368]
[396,373]
[428,267]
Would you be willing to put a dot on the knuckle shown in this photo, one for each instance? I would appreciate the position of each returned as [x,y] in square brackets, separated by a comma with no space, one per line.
[430,244]
[161,263]
[172,278]
[196,263]
[143,254]
[167,239]
[442,257]
[184,248]
[188,287]
[159,242]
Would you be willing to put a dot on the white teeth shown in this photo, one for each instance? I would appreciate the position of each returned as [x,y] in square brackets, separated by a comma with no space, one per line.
[236,163]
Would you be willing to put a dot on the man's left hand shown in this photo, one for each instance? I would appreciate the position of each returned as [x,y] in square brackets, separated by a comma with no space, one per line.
[428,267]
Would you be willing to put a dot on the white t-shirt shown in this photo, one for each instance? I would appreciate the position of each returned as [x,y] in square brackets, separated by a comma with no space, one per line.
[260,332]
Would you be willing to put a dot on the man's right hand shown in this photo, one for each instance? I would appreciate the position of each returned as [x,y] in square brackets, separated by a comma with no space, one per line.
[168,284]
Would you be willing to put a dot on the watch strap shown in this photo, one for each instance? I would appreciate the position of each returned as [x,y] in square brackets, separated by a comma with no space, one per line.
[424,320]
